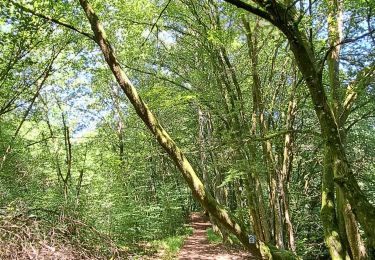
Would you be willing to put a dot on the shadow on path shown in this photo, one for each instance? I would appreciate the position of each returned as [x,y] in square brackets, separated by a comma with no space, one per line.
[197,245]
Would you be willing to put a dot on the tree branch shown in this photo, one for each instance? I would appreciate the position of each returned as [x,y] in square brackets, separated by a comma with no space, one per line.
[250,8]
[155,23]
[156,76]
[51,19]
[344,41]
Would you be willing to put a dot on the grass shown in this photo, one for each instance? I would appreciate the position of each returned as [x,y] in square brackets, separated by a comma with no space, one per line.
[213,237]
[170,246]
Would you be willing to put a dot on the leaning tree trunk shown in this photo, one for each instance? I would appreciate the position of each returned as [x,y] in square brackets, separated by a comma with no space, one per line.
[198,189]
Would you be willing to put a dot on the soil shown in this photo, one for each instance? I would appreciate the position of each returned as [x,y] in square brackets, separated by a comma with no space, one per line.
[197,245]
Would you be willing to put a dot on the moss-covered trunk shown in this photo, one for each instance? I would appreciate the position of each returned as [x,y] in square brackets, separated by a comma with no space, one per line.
[348,227]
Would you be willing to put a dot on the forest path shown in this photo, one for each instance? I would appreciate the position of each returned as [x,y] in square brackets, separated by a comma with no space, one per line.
[197,245]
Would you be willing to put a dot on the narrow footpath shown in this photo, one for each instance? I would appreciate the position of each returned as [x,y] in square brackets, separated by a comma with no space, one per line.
[197,245]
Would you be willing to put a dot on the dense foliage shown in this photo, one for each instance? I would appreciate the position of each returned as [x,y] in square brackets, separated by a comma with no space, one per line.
[232,88]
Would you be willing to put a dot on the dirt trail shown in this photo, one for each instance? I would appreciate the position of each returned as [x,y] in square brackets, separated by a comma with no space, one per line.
[197,245]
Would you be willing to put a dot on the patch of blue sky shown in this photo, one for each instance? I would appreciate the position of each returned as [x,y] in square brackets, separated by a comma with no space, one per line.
[168,37]
[6,28]
[76,101]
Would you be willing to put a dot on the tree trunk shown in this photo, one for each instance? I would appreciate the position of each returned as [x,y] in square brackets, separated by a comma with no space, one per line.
[328,214]
[349,231]
[286,168]
[266,145]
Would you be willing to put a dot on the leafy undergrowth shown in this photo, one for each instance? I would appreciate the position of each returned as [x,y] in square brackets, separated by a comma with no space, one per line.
[167,248]
[213,237]
[172,245]
[25,234]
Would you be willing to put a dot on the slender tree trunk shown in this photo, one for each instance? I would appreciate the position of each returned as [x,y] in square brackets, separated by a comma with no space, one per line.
[238,128]
[266,145]
[68,159]
[120,124]
[349,231]
[256,201]
[356,243]
[202,121]
[207,179]
[286,168]
[259,200]
[80,177]
[334,33]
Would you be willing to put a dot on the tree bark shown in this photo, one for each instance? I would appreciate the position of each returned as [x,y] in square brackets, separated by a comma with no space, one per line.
[348,227]
[287,168]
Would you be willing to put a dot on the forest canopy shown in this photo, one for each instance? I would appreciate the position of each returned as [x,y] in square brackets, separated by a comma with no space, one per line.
[120,118]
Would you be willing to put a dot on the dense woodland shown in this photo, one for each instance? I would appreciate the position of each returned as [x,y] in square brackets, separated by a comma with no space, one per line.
[119,118]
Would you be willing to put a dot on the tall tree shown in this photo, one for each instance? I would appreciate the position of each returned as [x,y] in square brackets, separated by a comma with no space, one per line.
[286,18]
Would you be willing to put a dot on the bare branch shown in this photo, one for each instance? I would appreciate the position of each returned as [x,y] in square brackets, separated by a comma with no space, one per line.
[344,41]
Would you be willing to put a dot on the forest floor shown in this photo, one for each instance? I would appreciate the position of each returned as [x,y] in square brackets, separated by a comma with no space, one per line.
[197,245]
